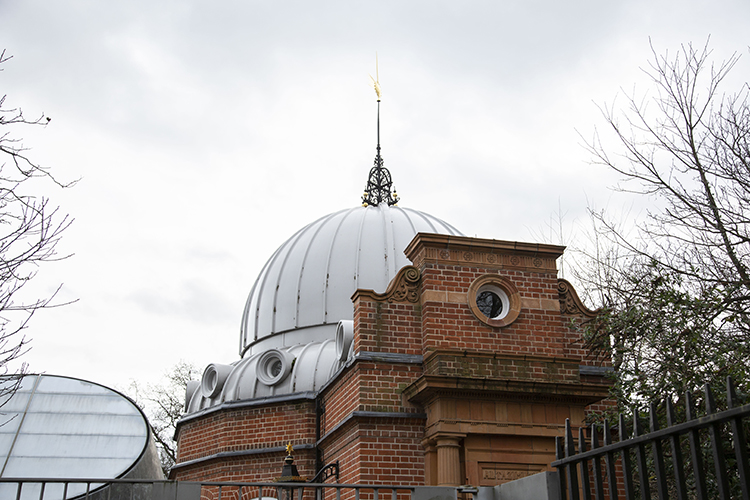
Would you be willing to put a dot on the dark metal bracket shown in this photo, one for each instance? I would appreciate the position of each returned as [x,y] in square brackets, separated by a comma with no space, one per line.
[330,470]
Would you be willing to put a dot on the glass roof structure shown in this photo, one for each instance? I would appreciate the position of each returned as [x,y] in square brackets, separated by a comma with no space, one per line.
[60,427]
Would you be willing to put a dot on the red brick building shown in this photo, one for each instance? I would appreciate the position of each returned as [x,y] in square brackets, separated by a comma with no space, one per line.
[459,368]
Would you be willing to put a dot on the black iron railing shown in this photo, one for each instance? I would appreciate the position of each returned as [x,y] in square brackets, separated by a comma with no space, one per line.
[125,489]
[692,459]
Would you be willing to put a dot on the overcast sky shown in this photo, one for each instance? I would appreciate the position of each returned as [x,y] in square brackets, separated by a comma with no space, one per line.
[206,133]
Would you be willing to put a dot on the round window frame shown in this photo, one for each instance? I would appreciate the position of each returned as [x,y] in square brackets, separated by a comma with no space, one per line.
[508,293]
[263,368]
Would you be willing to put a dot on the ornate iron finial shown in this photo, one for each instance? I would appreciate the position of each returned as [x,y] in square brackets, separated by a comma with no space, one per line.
[379,183]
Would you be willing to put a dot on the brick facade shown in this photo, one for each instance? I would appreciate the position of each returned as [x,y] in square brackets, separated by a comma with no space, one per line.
[435,394]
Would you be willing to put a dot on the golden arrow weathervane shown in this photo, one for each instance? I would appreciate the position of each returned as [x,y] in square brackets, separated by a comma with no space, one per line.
[376,81]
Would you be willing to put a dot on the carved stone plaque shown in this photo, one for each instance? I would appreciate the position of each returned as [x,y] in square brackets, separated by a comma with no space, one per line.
[494,474]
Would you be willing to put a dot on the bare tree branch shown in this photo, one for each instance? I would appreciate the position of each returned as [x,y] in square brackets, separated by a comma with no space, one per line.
[676,291]
[30,229]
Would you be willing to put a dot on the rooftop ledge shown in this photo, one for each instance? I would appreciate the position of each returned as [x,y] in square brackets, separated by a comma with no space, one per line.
[465,243]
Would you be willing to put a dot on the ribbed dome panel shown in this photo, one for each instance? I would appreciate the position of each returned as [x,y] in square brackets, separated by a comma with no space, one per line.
[305,289]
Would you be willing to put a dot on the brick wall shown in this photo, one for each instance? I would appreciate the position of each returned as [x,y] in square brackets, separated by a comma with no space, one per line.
[382,326]
[450,324]
[378,450]
[249,429]
[488,365]
[361,424]
[263,467]
[369,386]
[341,399]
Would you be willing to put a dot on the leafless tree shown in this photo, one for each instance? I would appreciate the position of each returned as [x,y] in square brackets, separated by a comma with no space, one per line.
[676,289]
[30,228]
[164,404]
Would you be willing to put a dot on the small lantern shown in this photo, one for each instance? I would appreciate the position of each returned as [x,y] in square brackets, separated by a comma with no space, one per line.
[289,474]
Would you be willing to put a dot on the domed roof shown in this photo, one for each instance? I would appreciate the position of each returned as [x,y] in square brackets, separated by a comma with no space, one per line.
[305,288]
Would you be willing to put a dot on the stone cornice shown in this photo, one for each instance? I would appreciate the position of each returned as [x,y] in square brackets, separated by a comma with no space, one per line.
[462,250]
[429,387]
[447,427]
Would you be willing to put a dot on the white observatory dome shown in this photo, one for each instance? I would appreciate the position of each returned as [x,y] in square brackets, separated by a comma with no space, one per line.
[305,288]
[289,341]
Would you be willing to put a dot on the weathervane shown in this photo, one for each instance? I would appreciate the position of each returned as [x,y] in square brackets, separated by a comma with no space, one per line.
[379,183]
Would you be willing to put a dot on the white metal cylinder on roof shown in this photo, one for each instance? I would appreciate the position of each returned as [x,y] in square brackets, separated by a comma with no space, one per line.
[274,372]
[305,288]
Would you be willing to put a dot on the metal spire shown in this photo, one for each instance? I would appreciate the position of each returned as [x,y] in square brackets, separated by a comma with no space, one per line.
[379,183]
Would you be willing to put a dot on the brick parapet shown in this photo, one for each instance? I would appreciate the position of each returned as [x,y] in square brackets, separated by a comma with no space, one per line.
[392,327]
[246,429]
